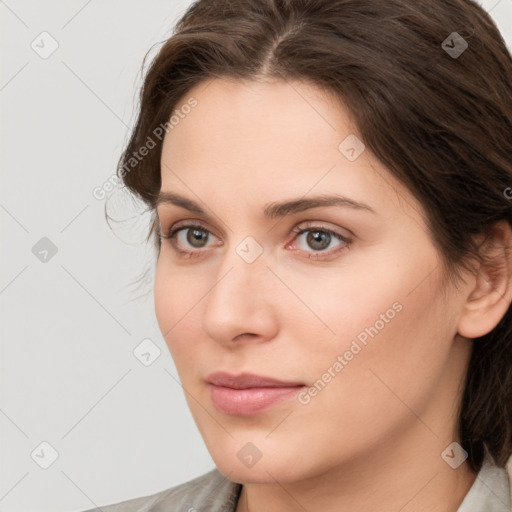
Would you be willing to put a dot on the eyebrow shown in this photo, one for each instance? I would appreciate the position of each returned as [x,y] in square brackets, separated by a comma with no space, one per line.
[273,210]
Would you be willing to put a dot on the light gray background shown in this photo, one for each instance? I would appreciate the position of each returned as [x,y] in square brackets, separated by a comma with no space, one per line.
[69,376]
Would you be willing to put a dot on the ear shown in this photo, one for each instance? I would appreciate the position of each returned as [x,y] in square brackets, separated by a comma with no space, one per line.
[491,294]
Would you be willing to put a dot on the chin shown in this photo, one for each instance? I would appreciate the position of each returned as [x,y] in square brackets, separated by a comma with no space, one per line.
[260,473]
[262,461]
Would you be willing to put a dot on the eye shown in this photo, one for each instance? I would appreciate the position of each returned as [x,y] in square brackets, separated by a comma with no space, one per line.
[196,236]
[317,242]
[188,236]
[320,242]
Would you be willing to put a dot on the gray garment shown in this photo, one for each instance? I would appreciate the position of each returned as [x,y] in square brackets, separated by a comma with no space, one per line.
[212,492]
[491,491]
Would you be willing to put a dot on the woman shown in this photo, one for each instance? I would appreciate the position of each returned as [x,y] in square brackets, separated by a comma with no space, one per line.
[330,184]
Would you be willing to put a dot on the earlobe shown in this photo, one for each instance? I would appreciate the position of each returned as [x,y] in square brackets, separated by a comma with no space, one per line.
[491,295]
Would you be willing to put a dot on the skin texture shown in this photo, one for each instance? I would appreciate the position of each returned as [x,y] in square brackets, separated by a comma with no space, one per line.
[372,438]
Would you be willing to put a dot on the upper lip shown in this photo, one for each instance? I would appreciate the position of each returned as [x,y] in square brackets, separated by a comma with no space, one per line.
[248,380]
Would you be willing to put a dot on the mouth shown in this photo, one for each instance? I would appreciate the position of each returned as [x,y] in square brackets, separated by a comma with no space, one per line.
[248,394]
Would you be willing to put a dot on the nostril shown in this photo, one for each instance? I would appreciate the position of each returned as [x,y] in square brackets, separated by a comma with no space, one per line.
[241,337]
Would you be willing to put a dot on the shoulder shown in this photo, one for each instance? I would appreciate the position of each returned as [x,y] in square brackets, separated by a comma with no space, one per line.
[211,491]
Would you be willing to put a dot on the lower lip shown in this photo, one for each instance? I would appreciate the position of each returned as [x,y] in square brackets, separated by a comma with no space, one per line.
[246,402]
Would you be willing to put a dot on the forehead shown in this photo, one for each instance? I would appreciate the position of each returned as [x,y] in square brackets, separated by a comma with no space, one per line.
[264,138]
[240,120]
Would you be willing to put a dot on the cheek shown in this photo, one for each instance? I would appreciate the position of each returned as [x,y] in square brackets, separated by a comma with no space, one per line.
[390,349]
[181,295]
[175,295]
[166,298]
[386,319]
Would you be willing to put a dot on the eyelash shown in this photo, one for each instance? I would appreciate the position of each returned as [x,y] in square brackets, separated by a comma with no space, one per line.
[316,255]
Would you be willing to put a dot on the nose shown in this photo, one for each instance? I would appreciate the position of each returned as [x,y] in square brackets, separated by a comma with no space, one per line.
[241,305]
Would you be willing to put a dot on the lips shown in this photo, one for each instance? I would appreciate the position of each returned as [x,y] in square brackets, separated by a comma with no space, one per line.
[247,394]
[247,380]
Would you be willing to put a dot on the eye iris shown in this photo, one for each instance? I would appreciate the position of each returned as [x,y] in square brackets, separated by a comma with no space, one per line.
[196,236]
[318,240]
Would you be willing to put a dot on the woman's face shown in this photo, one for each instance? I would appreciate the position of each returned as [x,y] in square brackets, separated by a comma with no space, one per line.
[305,262]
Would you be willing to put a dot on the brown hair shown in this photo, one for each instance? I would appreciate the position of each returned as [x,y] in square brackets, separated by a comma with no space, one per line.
[441,123]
